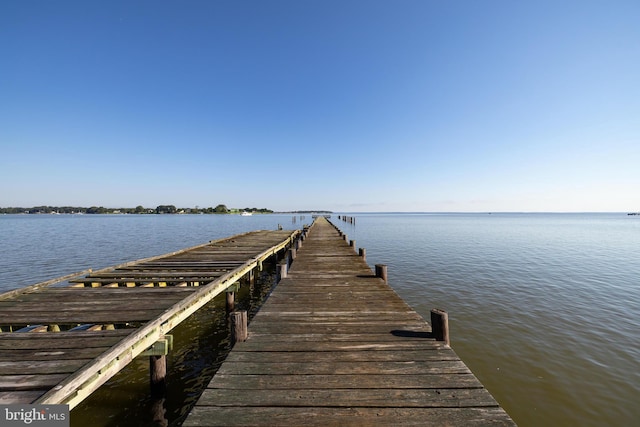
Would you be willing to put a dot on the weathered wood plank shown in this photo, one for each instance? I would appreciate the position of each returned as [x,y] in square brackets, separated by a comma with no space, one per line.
[51,353]
[63,339]
[363,398]
[29,381]
[337,346]
[208,416]
[336,328]
[20,396]
[328,367]
[345,381]
[88,305]
[125,315]
[81,294]
[342,341]
[19,367]
[356,355]
[150,275]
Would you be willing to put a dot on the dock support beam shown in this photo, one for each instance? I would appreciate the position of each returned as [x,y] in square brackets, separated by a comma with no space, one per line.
[381,272]
[440,325]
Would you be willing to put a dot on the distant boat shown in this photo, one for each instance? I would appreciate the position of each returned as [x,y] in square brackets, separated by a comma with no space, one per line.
[245,213]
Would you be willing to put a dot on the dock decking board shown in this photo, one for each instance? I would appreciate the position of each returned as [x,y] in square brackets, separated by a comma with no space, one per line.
[335,345]
[65,367]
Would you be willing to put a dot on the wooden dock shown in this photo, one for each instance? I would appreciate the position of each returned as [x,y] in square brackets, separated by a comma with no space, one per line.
[335,345]
[58,344]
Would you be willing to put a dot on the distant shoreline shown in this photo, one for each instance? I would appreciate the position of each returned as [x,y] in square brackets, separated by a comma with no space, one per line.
[140,210]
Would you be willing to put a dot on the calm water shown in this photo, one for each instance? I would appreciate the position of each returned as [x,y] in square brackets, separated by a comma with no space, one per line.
[544,308]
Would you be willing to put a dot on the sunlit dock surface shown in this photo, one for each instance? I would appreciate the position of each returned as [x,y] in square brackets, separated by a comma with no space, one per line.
[335,345]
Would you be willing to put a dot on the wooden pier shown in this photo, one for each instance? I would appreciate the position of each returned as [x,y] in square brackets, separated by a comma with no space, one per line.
[58,344]
[335,345]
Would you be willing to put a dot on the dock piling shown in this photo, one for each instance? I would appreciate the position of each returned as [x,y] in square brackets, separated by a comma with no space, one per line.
[282,271]
[381,272]
[440,325]
[158,374]
[231,301]
[239,331]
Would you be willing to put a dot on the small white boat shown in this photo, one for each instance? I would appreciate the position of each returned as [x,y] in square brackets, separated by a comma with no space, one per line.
[245,213]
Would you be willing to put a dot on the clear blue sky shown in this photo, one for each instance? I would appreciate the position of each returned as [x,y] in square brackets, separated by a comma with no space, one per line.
[344,105]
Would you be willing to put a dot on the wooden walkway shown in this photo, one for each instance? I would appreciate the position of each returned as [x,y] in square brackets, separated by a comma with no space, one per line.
[123,312]
[334,345]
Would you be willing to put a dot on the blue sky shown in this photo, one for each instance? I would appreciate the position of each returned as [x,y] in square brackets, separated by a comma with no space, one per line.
[340,105]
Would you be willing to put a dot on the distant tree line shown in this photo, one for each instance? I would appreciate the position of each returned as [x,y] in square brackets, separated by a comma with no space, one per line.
[161,209]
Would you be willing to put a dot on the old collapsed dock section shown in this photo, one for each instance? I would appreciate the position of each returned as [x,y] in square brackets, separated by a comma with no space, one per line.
[335,345]
[58,344]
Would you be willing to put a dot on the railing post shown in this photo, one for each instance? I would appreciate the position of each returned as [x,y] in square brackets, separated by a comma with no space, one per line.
[381,272]
[440,325]
[363,253]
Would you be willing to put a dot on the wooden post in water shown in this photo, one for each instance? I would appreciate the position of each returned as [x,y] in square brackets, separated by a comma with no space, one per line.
[282,271]
[239,332]
[381,272]
[231,301]
[158,375]
[363,253]
[440,325]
